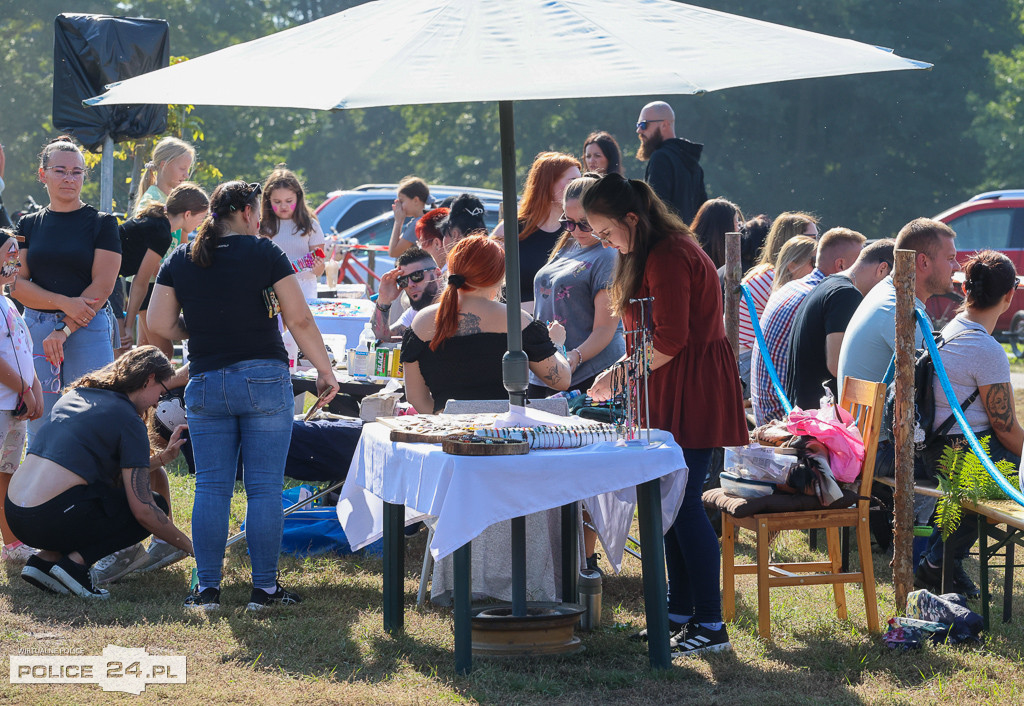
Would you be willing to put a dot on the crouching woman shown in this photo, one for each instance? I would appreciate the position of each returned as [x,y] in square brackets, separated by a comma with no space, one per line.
[83,491]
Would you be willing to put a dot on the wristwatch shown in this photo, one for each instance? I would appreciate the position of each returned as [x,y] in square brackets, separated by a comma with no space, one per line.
[63,328]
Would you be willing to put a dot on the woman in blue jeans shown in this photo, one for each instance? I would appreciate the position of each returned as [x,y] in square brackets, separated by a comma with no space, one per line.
[222,292]
[69,261]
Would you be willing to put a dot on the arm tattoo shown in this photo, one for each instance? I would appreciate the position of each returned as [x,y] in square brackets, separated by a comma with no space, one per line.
[468,323]
[552,375]
[999,406]
[144,494]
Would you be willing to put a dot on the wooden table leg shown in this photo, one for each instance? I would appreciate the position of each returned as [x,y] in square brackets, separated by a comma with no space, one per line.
[570,553]
[463,600]
[519,566]
[648,501]
[394,567]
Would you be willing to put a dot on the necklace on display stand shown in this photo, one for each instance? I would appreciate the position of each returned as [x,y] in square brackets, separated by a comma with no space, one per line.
[631,377]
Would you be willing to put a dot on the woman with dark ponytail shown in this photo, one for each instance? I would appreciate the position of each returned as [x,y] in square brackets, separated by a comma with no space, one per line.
[222,292]
[694,385]
[980,372]
[453,349]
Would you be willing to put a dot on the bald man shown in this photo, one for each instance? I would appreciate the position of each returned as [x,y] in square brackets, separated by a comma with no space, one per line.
[673,164]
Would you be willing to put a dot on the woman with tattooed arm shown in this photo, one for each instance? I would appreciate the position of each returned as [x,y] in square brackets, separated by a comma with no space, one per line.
[453,349]
[83,491]
[975,361]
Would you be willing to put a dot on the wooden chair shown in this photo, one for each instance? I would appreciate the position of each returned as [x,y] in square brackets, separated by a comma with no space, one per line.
[864,401]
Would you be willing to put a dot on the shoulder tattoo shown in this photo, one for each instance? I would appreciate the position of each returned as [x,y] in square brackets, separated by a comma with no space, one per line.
[468,324]
[999,406]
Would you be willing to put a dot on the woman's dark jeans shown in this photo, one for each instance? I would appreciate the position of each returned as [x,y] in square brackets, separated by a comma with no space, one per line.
[691,550]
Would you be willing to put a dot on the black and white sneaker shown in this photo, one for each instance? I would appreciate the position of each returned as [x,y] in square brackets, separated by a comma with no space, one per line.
[701,640]
[37,572]
[209,599]
[260,599]
[76,578]
[673,628]
[679,637]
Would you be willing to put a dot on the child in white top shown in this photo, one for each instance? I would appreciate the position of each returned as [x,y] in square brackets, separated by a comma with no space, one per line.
[18,384]
[286,220]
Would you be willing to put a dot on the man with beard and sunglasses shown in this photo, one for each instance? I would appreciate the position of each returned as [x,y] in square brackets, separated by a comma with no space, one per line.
[415,273]
[673,164]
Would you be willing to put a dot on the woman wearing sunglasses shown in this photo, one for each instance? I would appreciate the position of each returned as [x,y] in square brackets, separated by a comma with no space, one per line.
[222,292]
[84,490]
[571,292]
[70,257]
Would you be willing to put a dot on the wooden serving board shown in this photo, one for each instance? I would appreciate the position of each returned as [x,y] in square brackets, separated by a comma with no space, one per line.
[432,428]
[453,445]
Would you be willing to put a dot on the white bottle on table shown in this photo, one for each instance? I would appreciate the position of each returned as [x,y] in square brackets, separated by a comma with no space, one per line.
[366,344]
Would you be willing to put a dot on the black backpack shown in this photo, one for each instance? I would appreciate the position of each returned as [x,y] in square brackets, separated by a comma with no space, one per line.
[928,442]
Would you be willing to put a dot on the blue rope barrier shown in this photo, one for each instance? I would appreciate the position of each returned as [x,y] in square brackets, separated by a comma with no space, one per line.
[972,440]
[764,350]
[890,372]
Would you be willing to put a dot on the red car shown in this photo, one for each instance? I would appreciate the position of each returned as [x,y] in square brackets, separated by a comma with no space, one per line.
[990,221]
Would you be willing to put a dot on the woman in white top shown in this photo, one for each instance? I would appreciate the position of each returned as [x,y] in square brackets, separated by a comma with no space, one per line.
[285,219]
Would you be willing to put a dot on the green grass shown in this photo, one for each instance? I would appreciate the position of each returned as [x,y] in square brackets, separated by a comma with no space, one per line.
[1016,364]
[332,648]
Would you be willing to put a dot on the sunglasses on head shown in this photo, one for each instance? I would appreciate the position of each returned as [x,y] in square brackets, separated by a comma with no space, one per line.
[415,277]
[571,225]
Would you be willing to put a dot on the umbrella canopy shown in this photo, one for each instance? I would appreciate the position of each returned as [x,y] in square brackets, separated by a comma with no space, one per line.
[402,52]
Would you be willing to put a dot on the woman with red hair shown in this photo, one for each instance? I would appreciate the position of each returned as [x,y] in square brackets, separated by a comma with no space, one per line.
[453,349]
[539,215]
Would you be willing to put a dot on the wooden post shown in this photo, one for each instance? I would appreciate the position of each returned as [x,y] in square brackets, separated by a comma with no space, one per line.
[733,299]
[905,279]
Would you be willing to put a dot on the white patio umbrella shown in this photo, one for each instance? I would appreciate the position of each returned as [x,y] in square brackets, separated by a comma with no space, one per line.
[401,52]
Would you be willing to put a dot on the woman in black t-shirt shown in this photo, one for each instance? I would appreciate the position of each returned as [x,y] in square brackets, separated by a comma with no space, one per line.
[539,216]
[454,348]
[221,292]
[69,260]
[145,241]
[84,491]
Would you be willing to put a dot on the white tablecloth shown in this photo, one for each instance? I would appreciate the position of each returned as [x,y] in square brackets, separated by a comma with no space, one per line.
[469,493]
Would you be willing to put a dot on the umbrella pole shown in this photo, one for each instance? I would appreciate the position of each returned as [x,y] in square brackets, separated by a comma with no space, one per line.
[514,364]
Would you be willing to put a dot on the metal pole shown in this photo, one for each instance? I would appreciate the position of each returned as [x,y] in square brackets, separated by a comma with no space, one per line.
[514,365]
[733,275]
[905,279]
[107,176]
[518,533]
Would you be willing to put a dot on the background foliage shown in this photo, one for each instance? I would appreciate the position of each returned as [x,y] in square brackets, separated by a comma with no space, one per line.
[869,152]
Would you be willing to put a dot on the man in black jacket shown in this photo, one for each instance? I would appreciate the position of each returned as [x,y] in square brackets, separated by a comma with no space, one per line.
[673,164]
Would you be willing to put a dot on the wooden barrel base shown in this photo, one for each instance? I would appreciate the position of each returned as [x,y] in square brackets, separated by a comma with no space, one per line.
[546,629]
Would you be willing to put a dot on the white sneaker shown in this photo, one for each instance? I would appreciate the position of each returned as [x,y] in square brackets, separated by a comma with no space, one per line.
[117,565]
[159,555]
[17,554]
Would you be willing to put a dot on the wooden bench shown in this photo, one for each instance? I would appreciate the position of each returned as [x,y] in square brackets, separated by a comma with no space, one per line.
[991,514]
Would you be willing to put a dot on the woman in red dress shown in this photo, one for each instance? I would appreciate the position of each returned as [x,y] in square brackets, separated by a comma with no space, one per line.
[694,386]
